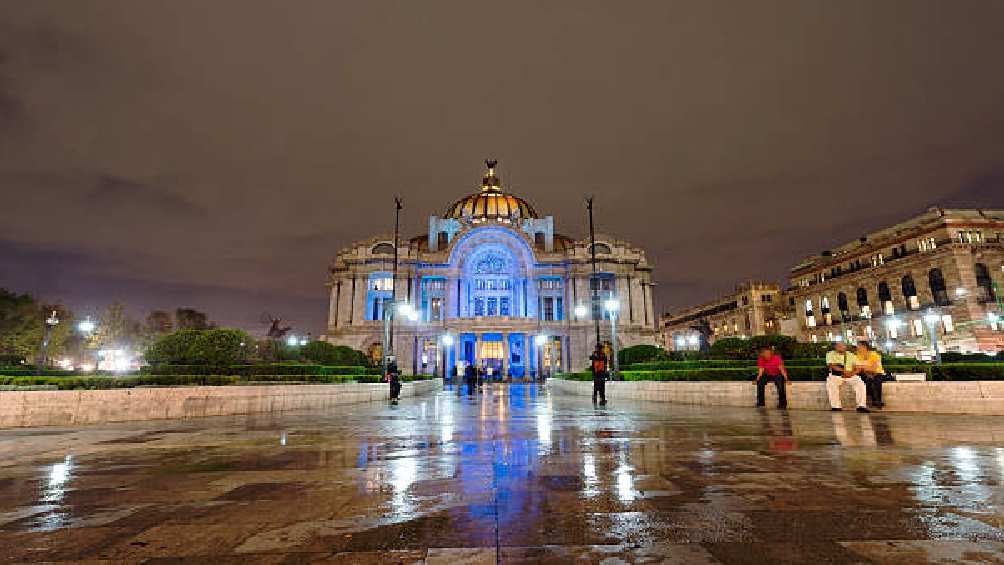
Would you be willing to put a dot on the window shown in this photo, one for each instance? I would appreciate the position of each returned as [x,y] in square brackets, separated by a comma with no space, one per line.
[601,249]
[877,260]
[381,282]
[918,328]
[946,320]
[504,306]
[766,298]
[862,297]
[479,306]
[842,304]
[885,298]
[550,284]
[383,249]
[379,287]
[926,244]
[939,290]
[436,308]
[984,283]
[910,293]
[548,313]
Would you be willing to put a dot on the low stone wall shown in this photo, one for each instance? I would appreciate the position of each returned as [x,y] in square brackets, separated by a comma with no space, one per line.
[74,407]
[945,397]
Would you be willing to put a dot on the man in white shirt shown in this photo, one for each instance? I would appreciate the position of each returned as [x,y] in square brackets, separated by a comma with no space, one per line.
[840,364]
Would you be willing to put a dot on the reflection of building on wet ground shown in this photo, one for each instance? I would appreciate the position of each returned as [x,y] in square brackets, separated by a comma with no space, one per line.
[493,274]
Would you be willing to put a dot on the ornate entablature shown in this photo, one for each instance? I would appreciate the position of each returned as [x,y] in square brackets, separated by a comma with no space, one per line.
[491,270]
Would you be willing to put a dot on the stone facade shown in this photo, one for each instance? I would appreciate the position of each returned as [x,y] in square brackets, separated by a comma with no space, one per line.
[755,308]
[942,270]
[494,276]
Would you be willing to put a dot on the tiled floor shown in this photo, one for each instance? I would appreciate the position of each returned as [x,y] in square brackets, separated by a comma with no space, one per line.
[514,475]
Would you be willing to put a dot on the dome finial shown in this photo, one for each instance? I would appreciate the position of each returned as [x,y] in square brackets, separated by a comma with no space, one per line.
[491,183]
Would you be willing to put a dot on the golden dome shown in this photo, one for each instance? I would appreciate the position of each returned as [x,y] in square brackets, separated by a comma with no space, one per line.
[491,203]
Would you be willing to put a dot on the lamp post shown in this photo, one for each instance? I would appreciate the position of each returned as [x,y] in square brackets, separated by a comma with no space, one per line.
[388,325]
[612,305]
[993,318]
[594,283]
[932,319]
[43,352]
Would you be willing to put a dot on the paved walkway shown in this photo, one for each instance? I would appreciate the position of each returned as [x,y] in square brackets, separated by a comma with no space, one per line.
[515,476]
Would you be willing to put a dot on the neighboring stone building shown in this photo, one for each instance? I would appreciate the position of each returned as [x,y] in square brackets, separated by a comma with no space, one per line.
[944,266]
[493,275]
[754,308]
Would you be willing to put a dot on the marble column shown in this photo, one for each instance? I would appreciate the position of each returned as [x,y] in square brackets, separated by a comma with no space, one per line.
[505,355]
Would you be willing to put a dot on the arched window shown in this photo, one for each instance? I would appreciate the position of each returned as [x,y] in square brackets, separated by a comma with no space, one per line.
[862,297]
[910,293]
[885,298]
[984,283]
[602,248]
[884,293]
[842,303]
[383,249]
[939,290]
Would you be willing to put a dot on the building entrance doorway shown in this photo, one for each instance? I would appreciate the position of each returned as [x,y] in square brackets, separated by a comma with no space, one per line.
[491,355]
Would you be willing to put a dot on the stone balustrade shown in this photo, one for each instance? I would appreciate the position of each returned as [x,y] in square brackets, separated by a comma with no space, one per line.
[945,397]
[75,407]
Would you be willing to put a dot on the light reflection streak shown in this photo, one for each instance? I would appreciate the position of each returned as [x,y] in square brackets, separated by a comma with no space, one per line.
[625,478]
[403,473]
[56,483]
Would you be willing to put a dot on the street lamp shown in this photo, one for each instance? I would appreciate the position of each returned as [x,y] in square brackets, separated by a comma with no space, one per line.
[50,323]
[612,306]
[86,327]
[932,318]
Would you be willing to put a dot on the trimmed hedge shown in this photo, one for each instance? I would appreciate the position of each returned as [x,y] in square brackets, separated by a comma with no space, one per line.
[944,372]
[72,383]
[262,369]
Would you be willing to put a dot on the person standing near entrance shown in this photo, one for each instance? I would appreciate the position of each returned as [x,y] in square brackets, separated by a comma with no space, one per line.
[840,364]
[600,372]
[394,378]
[770,368]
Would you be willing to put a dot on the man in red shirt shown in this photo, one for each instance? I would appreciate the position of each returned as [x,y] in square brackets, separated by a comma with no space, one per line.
[770,368]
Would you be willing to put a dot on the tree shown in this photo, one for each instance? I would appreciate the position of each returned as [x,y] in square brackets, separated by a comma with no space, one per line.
[159,322]
[216,347]
[641,354]
[191,319]
[22,325]
[176,348]
[116,330]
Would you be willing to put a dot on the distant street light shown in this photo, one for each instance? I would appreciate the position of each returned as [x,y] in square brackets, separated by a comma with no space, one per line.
[43,353]
[932,318]
[86,326]
[612,306]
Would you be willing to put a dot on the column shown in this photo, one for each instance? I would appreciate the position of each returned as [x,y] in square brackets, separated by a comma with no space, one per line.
[358,299]
[333,304]
[505,355]
[477,350]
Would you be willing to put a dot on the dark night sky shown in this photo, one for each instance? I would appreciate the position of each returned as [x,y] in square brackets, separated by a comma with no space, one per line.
[217,154]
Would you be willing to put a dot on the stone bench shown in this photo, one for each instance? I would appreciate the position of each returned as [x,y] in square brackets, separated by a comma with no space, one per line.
[946,397]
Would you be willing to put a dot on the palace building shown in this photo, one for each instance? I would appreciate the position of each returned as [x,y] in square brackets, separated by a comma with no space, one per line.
[755,308]
[491,284]
[939,273]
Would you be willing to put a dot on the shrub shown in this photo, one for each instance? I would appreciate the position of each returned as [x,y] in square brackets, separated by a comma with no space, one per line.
[641,354]
[11,360]
[220,347]
[325,353]
[176,348]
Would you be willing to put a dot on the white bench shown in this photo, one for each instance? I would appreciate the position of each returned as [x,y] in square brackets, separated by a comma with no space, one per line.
[910,377]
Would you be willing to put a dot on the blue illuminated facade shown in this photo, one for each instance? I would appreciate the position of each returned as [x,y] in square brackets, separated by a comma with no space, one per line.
[493,275]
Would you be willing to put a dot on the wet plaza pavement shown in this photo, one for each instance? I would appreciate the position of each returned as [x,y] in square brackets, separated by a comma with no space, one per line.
[514,475]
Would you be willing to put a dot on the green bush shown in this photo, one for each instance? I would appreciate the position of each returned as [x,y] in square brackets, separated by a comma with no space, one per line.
[220,347]
[748,348]
[176,348]
[324,353]
[287,369]
[966,372]
[90,382]
[11,359]
[641,354]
